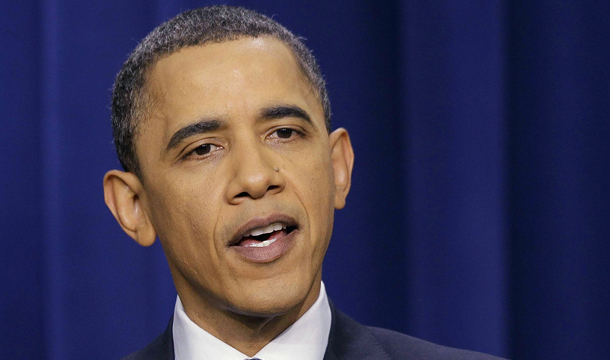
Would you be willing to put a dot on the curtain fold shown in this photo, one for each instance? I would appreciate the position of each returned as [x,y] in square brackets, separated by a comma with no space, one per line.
[455,135]
[559,179]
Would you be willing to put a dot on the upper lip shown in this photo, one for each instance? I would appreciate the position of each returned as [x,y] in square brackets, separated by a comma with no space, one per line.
[258,222]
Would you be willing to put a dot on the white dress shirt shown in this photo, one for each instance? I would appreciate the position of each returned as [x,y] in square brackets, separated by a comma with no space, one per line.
[306,339]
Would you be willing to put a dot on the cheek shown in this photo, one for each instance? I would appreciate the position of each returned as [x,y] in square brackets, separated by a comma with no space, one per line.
[184,216]
[317,184]
[319,176]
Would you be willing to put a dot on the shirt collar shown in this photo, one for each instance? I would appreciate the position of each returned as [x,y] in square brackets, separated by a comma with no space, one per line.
[306,339]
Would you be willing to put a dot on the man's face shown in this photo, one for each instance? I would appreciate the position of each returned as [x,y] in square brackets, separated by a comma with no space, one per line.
[235,145]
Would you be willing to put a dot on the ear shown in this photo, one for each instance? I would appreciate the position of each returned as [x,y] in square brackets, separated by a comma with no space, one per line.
[342,158]
[122,193]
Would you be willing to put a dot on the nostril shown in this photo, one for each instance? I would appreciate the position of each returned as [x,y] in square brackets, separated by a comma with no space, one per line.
[272,187]
[243,194]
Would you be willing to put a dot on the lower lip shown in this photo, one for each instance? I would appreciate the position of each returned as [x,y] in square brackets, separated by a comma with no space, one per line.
[268,253]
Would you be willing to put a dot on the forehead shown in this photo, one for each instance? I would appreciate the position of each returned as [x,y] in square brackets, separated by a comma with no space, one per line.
[222,79]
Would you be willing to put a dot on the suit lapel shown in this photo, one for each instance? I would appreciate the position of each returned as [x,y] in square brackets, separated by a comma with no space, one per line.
[168,352]
[350,340]
[162,348]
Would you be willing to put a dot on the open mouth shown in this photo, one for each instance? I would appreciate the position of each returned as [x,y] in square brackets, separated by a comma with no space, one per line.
[261,237]
[265,240]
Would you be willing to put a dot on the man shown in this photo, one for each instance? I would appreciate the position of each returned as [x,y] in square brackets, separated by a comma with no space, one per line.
[222,124]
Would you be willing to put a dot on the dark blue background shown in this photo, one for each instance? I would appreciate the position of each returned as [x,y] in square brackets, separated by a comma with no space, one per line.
[479,212]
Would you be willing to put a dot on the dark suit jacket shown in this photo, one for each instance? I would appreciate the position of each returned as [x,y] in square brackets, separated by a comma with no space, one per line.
[348,340]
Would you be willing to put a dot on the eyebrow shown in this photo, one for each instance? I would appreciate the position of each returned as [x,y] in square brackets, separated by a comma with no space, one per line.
[200,127]
[282,111]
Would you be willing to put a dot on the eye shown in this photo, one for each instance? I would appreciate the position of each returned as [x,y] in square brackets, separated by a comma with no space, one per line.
[204,149]
[284,133]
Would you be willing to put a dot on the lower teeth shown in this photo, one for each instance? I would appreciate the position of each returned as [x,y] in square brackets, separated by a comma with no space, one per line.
[262,243]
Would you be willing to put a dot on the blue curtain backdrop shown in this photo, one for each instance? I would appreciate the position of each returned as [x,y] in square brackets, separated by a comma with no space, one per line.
[479,214]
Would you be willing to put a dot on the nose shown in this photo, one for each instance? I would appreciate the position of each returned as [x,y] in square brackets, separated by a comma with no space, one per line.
[256,173]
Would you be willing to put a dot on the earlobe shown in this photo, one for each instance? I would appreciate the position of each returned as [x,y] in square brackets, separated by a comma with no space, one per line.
[342,157]
[122,193]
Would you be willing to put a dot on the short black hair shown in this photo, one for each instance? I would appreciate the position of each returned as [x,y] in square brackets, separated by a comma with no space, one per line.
[214,24]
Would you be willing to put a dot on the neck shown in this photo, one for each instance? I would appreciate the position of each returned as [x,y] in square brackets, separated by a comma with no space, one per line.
[246,333]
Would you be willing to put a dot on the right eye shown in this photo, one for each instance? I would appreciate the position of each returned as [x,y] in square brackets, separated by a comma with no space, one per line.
[203,149]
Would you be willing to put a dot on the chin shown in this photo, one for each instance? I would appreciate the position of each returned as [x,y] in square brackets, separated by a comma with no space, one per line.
[270,300]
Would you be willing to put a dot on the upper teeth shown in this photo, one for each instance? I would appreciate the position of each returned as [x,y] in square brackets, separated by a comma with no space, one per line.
[266,230]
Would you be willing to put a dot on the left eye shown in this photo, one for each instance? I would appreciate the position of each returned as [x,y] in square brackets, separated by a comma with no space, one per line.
[204,149]
[284,133]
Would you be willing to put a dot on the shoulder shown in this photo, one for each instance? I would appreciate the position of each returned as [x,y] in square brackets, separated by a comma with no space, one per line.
[162,348]
[397,345]
[350,339]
